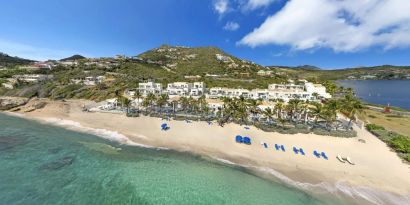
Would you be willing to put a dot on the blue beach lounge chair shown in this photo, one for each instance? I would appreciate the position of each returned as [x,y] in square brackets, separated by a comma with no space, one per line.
[238,139]
[282,148]
[247,140]
[277,147]
[317,154]
[295,150]
[324,155]
[247,128]
[164,126]
[301,151]
[265,145]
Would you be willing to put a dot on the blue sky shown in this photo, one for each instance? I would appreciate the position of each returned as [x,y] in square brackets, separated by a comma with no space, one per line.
[270,32]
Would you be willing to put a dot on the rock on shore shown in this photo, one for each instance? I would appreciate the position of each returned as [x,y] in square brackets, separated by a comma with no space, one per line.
[7,103]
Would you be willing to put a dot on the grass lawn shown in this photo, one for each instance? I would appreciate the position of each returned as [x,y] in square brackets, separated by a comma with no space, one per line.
[399,124]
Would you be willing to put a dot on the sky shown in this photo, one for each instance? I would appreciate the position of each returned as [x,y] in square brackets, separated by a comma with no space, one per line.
[330,34]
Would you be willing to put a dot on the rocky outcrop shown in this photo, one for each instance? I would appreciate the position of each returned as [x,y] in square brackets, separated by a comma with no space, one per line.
[7,103]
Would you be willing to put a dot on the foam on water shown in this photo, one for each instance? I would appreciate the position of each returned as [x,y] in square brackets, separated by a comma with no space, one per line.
[339,189]
[106,134]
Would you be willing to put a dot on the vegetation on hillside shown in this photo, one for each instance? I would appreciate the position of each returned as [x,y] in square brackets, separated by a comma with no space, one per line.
[73,58]
[379,72]
[9,61]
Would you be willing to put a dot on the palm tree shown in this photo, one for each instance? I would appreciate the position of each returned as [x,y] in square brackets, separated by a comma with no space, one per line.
[329,112]
[253,107]
[125,102]
[151,98]
[138,96]
[350,107]
[268,113]
[316,110]
[162,100]
[184,102]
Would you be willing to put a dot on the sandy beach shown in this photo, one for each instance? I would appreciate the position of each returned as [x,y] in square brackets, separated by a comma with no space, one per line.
[377,169]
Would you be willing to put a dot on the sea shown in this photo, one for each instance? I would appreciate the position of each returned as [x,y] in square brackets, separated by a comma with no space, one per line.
[45,164]
[383,92]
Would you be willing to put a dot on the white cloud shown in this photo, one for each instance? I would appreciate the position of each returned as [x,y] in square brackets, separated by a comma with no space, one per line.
[347,25]
[32,52]
[231,26]
[256,4]
[221,6]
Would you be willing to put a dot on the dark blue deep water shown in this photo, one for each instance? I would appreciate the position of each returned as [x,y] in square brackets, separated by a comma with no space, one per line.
[382,92]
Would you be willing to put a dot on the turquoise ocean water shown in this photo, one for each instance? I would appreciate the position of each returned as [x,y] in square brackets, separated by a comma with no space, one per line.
[43,164]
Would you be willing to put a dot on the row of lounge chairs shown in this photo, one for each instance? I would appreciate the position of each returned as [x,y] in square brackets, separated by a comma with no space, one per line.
[297,151]
[319,155]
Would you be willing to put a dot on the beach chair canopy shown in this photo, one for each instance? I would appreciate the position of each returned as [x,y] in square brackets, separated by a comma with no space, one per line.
[238,139]
[247,140]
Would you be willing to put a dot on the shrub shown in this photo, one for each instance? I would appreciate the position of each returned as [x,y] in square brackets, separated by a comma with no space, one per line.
[371,127]
[399,143]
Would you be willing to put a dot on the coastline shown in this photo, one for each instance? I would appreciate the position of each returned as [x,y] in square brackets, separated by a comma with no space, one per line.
[377,168]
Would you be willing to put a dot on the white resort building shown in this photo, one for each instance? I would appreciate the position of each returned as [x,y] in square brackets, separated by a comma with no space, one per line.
[184,89]
[284,92]
[150,87]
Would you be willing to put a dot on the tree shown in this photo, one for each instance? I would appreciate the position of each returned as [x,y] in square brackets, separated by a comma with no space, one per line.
[184,102]
[351,106]
[138,96]
[316,110]
[268,113]
[125,102]
[150,99]
[162,100]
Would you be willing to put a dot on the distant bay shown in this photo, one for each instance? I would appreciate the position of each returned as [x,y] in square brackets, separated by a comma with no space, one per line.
[383,92]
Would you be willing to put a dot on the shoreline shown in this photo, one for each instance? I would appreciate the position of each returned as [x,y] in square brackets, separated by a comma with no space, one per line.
[361,181]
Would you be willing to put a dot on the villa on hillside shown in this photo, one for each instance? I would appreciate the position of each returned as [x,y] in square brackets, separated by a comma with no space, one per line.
[284,92]
[184,89]
[150,87]
[89,81]
[32,78]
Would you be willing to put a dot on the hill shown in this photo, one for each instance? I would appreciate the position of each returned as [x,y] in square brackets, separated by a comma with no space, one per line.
[8,61]
[197,61]
[73,58]
[387,72]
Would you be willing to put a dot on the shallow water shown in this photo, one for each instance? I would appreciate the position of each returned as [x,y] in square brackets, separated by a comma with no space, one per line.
[43,164]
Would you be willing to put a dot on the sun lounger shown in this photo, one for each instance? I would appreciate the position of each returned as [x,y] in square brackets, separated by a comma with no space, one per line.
[317,154]
[277,147]
[282,148]
[247,128]
[247,140]
[340,158]
[238,139]
[295,150]
[301,151]
[349,160]
[324,156]
[164,126]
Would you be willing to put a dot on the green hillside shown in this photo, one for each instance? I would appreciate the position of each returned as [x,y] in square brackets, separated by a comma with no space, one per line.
[198,61]
[74,57]
[379,72]
[9,61]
